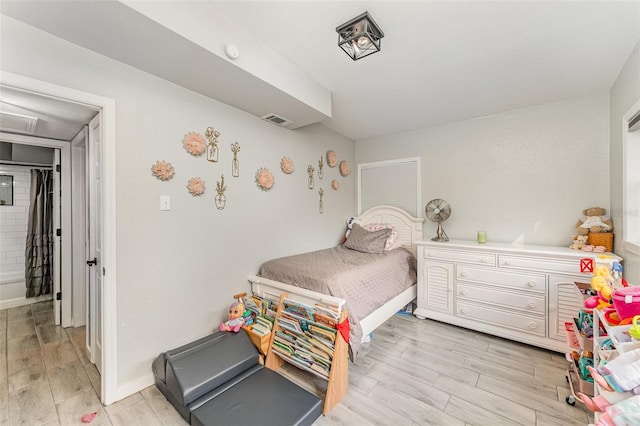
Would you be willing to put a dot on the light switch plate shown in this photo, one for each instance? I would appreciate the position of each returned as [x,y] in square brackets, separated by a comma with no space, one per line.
[165,202]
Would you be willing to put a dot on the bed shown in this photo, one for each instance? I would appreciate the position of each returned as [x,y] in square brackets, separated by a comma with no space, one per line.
[305,283]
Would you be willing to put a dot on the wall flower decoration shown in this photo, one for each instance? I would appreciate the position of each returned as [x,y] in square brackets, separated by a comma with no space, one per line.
[345,168]
[220,199]
[194,143]
[335,185]
[286,165]
[264,179]
[212,136]
[332,158]
[195,186]
[163,170]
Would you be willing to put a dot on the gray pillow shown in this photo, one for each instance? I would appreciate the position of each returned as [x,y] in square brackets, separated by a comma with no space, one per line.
[367,241]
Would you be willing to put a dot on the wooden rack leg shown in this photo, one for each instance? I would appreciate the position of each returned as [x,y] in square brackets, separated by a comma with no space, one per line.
[273,361]
[339,375]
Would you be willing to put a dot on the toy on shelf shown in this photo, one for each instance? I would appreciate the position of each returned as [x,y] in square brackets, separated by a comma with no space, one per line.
[236,318]
[602,282]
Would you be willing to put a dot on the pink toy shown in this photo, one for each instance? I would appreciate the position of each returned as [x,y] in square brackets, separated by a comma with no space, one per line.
[236,321]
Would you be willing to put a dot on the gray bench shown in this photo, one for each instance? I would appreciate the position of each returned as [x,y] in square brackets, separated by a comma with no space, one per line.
[217,380]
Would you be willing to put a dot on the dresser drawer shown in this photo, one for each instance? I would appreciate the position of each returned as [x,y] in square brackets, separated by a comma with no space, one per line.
[533,302]
[531,282]
[476,258]
[550,265]
[512,320]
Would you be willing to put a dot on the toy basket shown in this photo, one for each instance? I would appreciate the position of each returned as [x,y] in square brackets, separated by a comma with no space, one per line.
[627,301]
[602,239]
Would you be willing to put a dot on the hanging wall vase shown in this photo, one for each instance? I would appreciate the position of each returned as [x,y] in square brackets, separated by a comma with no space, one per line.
[321,193]
[162,170]
[195,186]
[320,168]
[332,158]
[310,171]
[264,179]
[212,148]
[235,164]
[345,169]
[194,144]
[286,165]
[221,199]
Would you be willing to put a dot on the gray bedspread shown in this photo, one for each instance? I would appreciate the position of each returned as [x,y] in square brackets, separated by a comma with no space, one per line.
[365,280]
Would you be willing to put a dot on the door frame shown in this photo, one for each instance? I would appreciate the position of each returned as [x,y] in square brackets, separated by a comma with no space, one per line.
[108,153]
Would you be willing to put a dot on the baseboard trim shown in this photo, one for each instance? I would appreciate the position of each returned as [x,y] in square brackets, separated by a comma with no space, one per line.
[134,386]
[22,301]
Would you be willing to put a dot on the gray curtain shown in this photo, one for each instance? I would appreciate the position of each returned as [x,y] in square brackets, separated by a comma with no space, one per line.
[39,251]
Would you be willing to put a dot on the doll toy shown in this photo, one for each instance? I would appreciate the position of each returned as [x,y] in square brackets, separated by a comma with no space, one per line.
[235,320]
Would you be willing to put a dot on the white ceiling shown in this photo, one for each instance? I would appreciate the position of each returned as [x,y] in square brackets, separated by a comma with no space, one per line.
[441,61]
[444,61]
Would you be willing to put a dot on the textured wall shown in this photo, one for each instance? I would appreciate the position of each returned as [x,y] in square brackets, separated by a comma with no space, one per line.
[524,176]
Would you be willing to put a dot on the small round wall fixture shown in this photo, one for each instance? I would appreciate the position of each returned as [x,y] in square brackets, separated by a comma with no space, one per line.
[232,51]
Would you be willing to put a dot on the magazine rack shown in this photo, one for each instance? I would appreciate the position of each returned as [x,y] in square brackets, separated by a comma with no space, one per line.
[338,379]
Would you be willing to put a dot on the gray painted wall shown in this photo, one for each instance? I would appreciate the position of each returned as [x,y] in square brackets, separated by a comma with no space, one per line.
[524,176]
[624,94]
[178,269]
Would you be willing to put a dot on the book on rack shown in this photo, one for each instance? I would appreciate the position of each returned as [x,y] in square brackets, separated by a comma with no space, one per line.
[299,309]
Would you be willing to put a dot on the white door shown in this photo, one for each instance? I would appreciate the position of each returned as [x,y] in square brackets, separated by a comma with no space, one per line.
[94,245]
[57,254]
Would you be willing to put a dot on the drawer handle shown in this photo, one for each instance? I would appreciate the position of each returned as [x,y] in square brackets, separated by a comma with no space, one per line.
[532,283]
[464,274]
[463,293]
[532,305]
[429,254]
[506,263]
[483,260]
[532,325]
[463,310]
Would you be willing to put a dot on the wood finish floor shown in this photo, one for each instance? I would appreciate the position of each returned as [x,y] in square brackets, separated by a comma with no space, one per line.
[413,373]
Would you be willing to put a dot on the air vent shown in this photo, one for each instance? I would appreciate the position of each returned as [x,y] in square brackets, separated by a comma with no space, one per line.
[18,123]
[277,120]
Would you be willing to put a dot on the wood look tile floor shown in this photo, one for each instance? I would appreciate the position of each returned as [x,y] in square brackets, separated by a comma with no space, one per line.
[414,372]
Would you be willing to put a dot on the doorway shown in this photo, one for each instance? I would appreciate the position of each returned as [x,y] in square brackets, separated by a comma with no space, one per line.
[106,228]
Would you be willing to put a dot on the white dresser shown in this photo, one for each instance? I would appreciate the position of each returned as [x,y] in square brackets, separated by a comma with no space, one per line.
[522,293]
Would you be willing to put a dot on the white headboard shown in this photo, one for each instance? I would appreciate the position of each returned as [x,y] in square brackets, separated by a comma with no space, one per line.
[409,228]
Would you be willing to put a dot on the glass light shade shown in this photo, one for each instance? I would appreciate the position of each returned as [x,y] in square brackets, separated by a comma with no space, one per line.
[360,37]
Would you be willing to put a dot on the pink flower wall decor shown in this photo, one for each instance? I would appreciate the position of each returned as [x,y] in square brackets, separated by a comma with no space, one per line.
[335,185]
[345,169]
[195,186]
[162,170]
[332,158]
[264,179]
[286,165]
[194,143]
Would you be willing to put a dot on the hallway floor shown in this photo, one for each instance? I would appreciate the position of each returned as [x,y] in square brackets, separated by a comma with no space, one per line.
[46,378]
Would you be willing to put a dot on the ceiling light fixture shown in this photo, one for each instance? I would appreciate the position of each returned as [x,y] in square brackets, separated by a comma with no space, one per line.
[360,36]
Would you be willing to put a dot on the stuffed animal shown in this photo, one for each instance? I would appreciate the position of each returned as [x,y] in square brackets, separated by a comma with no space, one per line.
[595,220]
[236,320]
[579,241]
